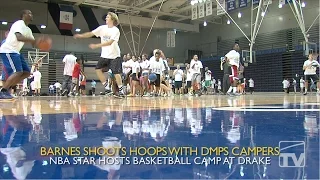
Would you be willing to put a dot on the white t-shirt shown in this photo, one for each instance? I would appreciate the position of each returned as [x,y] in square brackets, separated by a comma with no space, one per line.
[162,61]
[69,61]
[51,87]
[32,84]
[310,70]
[156,67]
[126,66]
[105,33]
[25,83]
[179,74]
[294,82]
[145,65]
[234,58]
[57,85]
[301,83]
[129,64]
[208,75]
[189,75]
[195,66]
[251,83]
[37,76]
[135,66]
[285,83]
[12,45]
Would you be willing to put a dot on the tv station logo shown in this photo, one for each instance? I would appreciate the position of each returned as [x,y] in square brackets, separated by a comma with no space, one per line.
[292,154]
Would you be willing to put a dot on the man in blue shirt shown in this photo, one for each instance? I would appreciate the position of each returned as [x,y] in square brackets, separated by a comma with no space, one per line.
[93,86]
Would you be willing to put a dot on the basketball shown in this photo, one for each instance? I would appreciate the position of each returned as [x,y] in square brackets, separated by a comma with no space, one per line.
[152,77]
[44,43]
[315,64]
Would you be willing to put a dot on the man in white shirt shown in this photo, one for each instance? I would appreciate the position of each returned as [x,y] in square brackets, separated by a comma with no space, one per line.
[251,85]
[32,85]
[310,67]
[110,51]
[286,85]
[156,67]
[69,61]
[207,79]
[213,84]
[162,60]
[301,84]
[294,84]
[37,81]
[13,62]
[188,78]
[178,78]
[233,57]
[51,89]
[145,64]
[58,86]
[196,68]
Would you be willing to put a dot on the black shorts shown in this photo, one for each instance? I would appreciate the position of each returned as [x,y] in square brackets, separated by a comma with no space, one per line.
[314,78]
[157,81]
[178,84]
[82,87]
[114,64]
[134,77]
[241,80]
[188,84]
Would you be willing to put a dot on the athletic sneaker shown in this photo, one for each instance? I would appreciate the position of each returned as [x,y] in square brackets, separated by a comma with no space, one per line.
[119,95]
[5,96]
[230,94]
[108,92]
[65,92]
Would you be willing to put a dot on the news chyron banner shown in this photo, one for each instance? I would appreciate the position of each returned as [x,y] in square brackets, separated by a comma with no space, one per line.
[158,155]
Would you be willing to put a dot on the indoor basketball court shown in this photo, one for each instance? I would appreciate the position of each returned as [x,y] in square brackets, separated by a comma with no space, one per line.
[265,132]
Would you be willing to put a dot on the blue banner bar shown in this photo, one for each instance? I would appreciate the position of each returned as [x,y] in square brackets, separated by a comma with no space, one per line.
[231,5]
[243,3]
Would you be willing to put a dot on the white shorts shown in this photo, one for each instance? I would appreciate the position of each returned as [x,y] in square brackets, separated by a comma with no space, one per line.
[37,84]
[196,78]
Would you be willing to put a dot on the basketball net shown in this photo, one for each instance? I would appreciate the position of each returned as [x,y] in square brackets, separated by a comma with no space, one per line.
[37,62]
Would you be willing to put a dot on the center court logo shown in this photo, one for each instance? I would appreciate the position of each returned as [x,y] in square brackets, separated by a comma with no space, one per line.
[292,154]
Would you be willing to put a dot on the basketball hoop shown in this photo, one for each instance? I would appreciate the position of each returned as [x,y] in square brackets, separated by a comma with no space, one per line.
[38,58]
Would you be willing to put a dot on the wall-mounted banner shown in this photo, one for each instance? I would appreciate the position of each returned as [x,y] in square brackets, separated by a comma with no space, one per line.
[194,12]
[201,10]
[220,10]
[255,1]
[208,8]
[231,5]
[266,2]
[168,38]
[66,17]
[282,2]
[243,3]
[173,39]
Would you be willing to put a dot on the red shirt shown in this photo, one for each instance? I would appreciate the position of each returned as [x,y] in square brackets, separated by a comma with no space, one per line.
[83,82]
[76,71]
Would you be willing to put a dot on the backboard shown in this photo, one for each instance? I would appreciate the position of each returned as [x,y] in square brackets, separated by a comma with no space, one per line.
[246,56]
[309,47]
[38,57]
